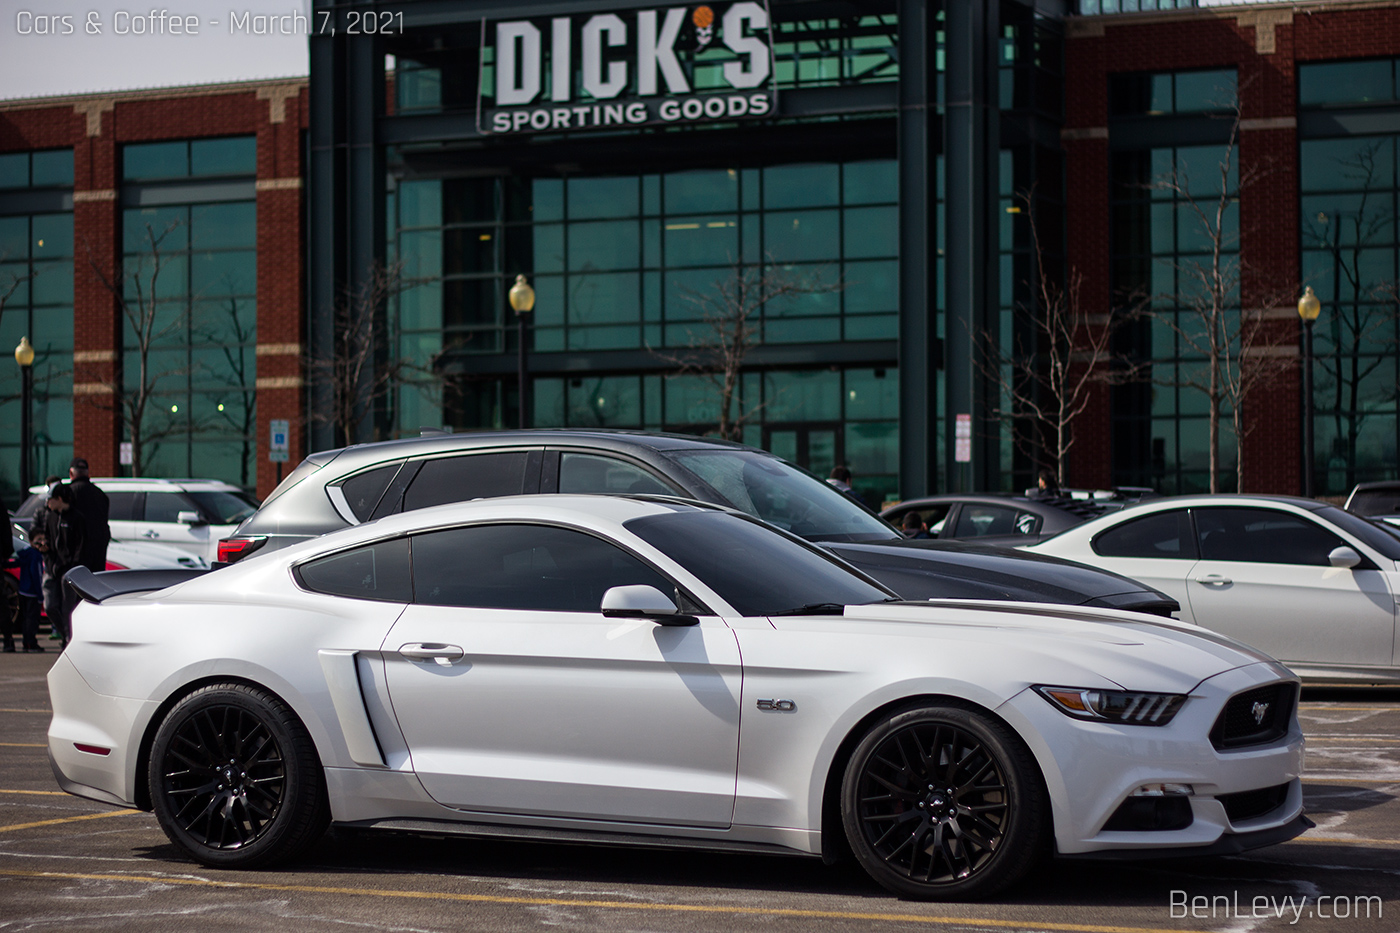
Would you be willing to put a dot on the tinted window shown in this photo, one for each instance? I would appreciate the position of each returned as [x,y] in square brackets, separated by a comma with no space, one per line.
[166,506]
[1384,538]
[523,567]
[1263,536]
[457,479]
[780,493]
[585,473]
[1166,534]
[753,569]
[1375,501]
[224,508]
[362,492]
[375,571]
[122,506]
[975,521]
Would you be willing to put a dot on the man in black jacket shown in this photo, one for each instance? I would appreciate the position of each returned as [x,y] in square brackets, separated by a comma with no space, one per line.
[63,524]
[92,503]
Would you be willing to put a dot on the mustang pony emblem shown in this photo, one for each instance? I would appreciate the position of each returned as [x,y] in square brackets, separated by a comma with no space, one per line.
[1260,710]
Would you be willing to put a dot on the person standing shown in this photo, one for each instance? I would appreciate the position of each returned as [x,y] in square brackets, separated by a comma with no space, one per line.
[63,526]
[92,503]
[31,589]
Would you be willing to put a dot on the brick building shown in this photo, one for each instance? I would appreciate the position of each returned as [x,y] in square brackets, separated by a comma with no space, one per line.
[886,150]
[196,190]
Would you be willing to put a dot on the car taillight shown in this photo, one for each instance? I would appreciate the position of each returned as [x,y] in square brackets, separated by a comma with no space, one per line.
[113,565]
[235,549]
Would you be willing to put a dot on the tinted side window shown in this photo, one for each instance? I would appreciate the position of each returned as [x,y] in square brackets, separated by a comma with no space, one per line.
[457,479]
[375,571]
[362,492]
[1166,534]
[122,507]
[166,506]
[585,473]
[975,521]
[523,567]
[1263,536]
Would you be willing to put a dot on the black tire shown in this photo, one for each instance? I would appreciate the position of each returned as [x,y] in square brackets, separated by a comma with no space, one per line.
[234,777]
[943,802]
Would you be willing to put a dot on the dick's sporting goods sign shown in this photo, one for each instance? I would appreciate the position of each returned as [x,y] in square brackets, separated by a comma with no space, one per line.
[670,65]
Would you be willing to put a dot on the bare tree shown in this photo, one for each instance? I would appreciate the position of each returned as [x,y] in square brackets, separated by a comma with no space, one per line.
[149,322]
[730,313]
[1361,316]
[1243,349]
[360,372]
[232,335]
[10,282]
[1046,379]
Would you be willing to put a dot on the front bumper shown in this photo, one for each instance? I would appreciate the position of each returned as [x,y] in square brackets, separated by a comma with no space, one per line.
[1091,768]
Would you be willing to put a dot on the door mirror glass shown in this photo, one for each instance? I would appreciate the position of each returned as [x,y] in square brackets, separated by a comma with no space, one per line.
[1343,557]
[643,602]
[189,518]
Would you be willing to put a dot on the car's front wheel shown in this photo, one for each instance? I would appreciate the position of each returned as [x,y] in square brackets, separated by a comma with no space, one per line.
[234,778]
[943,802]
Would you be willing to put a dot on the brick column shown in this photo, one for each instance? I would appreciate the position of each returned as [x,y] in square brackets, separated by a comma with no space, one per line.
[97,324]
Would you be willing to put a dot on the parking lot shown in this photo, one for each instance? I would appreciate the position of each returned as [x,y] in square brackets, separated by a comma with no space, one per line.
[71,864]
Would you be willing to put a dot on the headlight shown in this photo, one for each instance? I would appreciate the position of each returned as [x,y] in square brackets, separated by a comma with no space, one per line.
[1128,707]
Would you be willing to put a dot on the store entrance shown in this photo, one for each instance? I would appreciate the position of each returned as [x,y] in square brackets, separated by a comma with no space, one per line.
[814,446]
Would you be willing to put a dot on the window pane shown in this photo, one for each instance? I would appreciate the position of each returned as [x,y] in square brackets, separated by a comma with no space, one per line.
[701,241]
[1205,90]
[1345,82]
[52,236]
[792,236]
[872,182]
[801,186]
[1263,536]
[585,473]
[603,246]
[236,155]
[362,492]
[530,567]
[872,393]
[601,197]
[1166,534]
[14,170]
[53,169]
[166,506]
[694,192]
[215,226]
[604,299]
[458,479]
[872,232]
[379,571]
[156,160]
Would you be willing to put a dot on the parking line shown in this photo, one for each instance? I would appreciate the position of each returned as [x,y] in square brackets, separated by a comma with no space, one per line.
[1330,840]
[26,711]
[67,819]
[22,745]
[604,904]
[42,793]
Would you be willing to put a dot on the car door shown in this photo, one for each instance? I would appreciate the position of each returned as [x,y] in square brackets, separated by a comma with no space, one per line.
[1264,578]
[1158,549]
[161,523]
[516,695]
[484,475]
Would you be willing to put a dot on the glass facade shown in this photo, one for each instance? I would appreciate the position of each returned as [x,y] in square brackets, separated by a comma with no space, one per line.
[36,298]
[190,314]
[1351,258]
[1163,203]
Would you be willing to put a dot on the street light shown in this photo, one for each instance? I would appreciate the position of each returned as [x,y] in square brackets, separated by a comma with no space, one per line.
[24,356]
[522,299]
[1308,309]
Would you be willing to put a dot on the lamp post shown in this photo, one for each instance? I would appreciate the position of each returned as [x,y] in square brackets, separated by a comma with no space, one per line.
[1308,309]
[24,356]
[522,299]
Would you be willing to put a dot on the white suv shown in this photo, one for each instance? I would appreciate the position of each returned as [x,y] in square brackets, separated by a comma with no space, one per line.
[191,514]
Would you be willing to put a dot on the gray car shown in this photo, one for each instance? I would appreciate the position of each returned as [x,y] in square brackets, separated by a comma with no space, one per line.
[338,488]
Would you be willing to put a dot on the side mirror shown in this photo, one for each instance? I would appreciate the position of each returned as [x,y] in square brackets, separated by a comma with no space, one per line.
[189,518]
[643,602]
[1343,557]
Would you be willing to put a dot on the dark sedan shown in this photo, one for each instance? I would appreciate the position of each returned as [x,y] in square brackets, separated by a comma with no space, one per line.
[1000,518]
[339,488]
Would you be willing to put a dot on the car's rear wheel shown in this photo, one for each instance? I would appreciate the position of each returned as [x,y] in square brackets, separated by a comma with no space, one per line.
[943,802]
[234,778]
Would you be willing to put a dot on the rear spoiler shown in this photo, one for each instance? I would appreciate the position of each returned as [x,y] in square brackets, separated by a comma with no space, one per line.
[95,587]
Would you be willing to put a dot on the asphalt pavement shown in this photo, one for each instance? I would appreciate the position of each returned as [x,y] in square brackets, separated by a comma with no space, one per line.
[72,864]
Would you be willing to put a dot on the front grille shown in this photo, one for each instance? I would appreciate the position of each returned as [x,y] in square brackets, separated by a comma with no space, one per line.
[1255,717]
[1248,804]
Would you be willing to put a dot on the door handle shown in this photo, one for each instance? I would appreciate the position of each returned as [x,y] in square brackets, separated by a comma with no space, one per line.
[432,651]
[150,534]
[1214,579]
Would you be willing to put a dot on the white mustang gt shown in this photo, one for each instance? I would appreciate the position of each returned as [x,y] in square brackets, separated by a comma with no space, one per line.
[657,673]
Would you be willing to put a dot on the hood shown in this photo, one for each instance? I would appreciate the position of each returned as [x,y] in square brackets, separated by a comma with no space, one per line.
[1133,650]
[941,570]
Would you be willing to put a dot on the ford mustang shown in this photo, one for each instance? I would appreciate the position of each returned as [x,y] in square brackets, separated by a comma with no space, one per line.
[641,671]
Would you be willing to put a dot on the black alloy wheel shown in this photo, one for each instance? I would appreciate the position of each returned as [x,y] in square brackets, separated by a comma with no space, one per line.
[944,803]
[234,777]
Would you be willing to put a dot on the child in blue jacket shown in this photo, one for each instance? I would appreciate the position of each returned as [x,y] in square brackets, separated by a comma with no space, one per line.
[31,576]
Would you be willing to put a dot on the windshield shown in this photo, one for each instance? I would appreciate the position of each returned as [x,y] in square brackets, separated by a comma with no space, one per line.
[778,492]
[224,508]
[756,570]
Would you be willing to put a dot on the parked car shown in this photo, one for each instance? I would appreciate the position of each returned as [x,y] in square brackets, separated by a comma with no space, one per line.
[1000,517]
[190,514]
[1379,501]
[1308,583]
[339,488]
[949,744]
[134,555]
